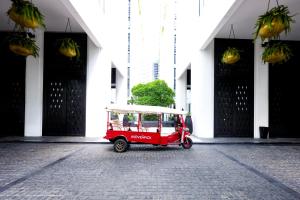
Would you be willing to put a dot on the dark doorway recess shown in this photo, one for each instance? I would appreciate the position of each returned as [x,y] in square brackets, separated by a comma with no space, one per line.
[113,77]
[233,95]
[12,87]
[64,87]
[283,96]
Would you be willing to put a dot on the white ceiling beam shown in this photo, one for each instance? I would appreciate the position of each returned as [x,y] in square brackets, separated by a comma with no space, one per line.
[88,16]
[213,20]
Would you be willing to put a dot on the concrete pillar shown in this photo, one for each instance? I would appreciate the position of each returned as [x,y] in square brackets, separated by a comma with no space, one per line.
[97,90]
[181,92]
[34,90]
[121,82]
[261,90]
[202,96]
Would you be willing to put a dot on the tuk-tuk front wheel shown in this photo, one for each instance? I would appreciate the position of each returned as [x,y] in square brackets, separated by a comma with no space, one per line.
[120,145]
[187,143]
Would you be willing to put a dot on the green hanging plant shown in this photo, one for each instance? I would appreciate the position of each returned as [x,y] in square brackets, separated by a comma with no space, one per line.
[276,53]
[26,14]
[273,22]
[231,55]
[69,48]
[22,44]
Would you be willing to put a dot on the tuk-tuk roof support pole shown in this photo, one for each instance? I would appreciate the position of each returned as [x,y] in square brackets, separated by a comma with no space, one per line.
[159,122]
[139,122]
[108,122]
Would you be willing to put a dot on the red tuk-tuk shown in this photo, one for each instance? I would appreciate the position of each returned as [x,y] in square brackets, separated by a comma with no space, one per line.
[138,130]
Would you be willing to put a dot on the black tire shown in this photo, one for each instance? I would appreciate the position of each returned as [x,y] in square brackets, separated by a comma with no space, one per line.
[120,145]
[187,143]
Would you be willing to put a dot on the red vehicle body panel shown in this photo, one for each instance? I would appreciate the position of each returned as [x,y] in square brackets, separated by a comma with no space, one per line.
[139,135]
[146,137]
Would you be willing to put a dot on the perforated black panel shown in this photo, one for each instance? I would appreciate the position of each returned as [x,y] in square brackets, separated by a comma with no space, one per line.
[55,108]
[224,106]
[233,115]
[12,87]
[284,99]
[75,119]
[64,88]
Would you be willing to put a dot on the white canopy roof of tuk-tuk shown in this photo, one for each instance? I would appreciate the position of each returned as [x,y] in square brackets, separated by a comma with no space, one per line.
[143,109]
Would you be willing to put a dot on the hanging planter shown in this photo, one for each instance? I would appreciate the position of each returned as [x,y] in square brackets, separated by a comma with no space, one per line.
[276,53]
[26,14]
[231,56]
[23,45]
[69,48]
[273,22]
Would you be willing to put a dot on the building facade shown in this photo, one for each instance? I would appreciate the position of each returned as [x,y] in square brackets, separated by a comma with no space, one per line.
[121,46]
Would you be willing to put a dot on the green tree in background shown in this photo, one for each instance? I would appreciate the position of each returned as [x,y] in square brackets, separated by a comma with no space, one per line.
[155,93]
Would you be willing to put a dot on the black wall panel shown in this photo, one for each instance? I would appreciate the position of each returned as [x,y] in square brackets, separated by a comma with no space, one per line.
[233,95]
[12,87]
[64,87]
[284,99]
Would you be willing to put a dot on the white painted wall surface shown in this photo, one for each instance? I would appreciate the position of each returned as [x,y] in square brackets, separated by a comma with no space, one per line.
[215,14]
[116,15]
[181,92]
[121,84]
[202,97]
[187,13]
[261,90]
[90,17]
[97,90]
[34,90]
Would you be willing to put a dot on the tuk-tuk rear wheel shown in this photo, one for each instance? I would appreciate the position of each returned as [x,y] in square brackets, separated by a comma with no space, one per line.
[187,143]
[120,145]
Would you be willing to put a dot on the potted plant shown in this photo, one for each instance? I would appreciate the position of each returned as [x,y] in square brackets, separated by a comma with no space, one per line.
[25,14]
[22,44]
[231,55]
[276,53]
[273,22]
[68,47]
[189,122]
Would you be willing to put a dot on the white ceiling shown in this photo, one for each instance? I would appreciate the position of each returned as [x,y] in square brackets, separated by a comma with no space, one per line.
[54,11]
[245,18]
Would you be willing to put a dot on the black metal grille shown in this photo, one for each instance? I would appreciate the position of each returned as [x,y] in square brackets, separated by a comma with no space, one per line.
[283,96]
[64,88]
[75,118]
[12,87]
[233,115]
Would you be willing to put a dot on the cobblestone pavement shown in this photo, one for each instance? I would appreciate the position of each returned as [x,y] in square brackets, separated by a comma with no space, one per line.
[94,171]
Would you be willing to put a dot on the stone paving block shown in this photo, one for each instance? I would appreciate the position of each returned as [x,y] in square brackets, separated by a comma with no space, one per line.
[95,171]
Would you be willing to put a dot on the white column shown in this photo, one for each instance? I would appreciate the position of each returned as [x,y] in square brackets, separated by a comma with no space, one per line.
[202,97]
[97,90]
[181,92]
[261,90]
[34,90]
[121,85]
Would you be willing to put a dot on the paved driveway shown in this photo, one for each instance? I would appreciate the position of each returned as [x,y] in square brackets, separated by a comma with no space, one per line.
[94,171]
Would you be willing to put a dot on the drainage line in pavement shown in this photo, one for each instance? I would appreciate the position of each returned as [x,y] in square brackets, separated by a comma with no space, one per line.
[263,175]
[24,178]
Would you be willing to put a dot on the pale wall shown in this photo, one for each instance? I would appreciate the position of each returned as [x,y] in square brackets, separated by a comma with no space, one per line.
[202,97]
[98,88]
